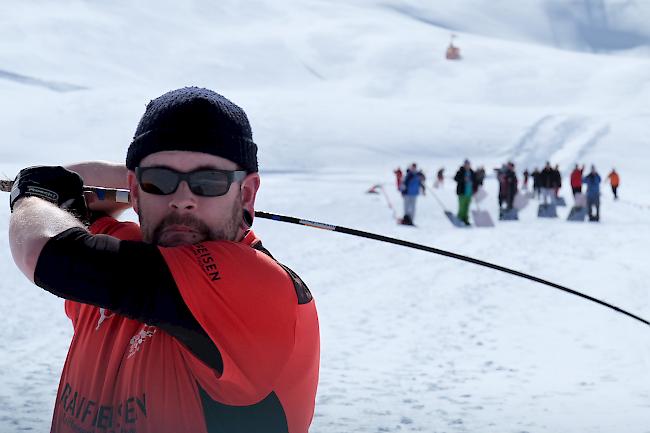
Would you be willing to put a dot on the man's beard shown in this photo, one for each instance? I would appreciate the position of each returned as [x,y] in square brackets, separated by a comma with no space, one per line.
[227,232]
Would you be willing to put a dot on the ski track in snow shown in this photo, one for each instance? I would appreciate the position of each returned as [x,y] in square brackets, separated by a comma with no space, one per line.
[563,140]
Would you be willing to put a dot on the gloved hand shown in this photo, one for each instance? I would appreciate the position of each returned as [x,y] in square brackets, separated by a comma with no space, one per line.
[56,184]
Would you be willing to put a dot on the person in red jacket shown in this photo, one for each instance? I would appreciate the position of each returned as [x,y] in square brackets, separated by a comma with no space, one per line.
[398,177]
[576,180]
[184,323]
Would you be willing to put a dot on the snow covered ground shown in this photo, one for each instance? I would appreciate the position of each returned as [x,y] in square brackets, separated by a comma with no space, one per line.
[339,94]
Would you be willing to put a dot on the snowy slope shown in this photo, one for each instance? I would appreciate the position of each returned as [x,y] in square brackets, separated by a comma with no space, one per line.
[339,93]
[324,63]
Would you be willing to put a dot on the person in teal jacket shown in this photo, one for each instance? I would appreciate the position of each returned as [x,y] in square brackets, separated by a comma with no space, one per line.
[466,186]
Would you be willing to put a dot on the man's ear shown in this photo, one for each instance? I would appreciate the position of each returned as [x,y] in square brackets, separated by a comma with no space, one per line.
[133,187]
[249,187]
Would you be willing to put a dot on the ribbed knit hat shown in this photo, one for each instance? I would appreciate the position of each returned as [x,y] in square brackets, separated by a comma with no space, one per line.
[198,120]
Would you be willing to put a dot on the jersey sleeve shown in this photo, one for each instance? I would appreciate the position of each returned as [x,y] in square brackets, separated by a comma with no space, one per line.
[105,225]
[247,305]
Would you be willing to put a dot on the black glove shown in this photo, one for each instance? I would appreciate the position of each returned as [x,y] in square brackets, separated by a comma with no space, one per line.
[57,185]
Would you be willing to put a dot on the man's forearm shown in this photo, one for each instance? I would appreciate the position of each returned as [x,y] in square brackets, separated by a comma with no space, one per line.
[105,174]
[33,222]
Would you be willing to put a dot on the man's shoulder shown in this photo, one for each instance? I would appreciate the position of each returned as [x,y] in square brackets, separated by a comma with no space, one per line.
[233,270]
[220,257]
[302,291]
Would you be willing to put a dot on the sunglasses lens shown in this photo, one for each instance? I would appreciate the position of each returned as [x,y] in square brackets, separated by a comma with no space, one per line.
[158,181]
[209,183]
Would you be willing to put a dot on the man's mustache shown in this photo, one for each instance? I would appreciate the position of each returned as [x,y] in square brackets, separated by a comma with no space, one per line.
[181,219]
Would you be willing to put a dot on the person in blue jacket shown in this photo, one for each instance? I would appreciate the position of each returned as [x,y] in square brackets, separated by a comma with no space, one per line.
[411,186]
[592,180]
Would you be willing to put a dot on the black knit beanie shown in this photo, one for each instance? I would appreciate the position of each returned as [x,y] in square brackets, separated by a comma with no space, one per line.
[197,120]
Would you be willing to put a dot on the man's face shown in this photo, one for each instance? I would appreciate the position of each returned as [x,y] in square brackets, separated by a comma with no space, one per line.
[183,217]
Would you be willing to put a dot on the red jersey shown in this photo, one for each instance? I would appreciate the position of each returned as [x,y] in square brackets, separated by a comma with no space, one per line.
[122,375]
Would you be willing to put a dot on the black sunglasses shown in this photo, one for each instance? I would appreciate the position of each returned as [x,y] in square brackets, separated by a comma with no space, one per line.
[208,182]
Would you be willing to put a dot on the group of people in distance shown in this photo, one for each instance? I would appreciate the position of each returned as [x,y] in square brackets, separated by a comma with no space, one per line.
[547,183]
[546,186]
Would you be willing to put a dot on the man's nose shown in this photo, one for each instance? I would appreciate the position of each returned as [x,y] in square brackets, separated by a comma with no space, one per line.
[183,198]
